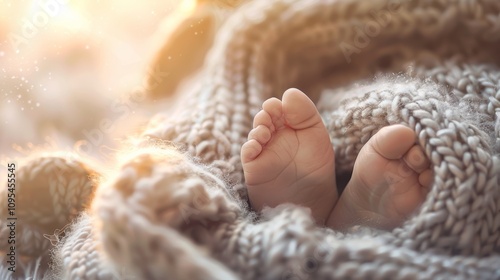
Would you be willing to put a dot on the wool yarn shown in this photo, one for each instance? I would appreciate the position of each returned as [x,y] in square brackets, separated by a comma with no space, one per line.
[176,207]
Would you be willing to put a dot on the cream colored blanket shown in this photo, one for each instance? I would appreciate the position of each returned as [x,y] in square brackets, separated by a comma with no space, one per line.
[175,205]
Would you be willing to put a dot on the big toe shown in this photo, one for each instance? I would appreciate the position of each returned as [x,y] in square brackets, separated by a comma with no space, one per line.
[393,142]
[299,111]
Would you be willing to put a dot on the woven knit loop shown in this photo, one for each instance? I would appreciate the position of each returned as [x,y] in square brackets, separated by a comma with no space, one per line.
[50,192]
[157,197]
[166,214]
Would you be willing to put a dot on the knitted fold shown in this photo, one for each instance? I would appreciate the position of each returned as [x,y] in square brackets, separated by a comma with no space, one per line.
[176,206]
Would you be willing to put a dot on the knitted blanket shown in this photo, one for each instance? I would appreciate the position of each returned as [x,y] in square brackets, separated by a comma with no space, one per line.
[175,205]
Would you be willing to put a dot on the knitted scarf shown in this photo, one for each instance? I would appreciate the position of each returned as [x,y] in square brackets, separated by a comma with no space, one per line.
[175,205]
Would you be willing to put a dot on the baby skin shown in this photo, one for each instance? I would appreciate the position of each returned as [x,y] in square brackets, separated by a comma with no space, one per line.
[288,158]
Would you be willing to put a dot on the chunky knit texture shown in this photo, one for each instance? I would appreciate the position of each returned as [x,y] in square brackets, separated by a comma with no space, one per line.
[176,206]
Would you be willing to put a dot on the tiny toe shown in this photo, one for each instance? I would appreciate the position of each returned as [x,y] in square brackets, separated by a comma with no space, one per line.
[416,159]
[250,150]
[425,178]
[392,142]
[274,108]
[261,133]
[263,118]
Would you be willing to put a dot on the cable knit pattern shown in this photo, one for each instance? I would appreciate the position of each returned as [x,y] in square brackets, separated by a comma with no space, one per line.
[176,206]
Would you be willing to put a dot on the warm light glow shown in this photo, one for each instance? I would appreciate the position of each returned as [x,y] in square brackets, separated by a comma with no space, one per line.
[71,18]
[62,15]
[187,6]
[62,61]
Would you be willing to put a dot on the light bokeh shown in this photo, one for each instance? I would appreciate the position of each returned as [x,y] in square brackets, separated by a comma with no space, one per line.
[64,63]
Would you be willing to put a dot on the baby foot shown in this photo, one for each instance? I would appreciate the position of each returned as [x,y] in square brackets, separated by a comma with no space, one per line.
[390,180]
[289,157]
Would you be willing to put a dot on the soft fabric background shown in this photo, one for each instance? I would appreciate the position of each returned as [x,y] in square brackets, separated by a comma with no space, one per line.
[179,210]
[71,80]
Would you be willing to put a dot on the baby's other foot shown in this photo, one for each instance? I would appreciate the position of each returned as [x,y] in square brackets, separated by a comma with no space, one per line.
[391,178]
[289,157]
